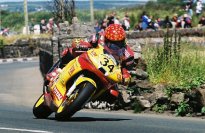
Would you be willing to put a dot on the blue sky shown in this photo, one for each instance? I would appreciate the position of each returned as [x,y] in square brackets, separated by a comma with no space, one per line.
[76,0]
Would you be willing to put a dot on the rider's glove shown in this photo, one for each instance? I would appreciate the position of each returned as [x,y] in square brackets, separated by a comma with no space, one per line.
[93,40]
[126,76]
[65,51]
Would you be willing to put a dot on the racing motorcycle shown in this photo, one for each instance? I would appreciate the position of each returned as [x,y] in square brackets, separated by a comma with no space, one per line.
[83,79]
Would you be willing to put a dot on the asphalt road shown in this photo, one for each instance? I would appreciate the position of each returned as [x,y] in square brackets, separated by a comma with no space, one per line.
[20,86]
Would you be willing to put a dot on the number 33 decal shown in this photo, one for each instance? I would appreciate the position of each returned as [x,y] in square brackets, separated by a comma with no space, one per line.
[106,62]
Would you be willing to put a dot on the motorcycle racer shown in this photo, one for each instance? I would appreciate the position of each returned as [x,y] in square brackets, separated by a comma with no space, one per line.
[114,41]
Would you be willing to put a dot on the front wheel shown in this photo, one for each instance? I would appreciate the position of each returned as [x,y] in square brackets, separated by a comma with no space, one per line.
[40,110]
[76,101]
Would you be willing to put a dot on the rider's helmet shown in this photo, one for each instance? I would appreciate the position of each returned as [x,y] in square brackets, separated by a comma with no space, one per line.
[115,40]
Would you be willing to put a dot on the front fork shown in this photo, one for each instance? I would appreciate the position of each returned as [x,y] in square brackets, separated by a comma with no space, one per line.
[48,100]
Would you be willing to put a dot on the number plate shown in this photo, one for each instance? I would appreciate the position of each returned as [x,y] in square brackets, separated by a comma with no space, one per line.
[107,63]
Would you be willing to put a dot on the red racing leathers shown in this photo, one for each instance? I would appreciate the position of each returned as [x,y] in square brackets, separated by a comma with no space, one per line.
[79,46]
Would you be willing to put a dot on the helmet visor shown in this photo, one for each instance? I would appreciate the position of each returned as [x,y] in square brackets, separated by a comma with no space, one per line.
[116,51]
[120,44]
[113,47]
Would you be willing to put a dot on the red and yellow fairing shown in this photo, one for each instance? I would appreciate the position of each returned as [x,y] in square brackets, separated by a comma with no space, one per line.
[58,89]
[94,60]
[112,70]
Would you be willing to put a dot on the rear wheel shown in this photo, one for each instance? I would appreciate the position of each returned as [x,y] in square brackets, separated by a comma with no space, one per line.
[76,101]
[40,110]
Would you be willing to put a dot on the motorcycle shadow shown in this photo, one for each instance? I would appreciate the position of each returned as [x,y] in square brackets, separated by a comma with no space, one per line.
[89,119]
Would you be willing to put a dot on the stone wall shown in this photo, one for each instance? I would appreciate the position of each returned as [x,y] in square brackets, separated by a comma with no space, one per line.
[62,38]
[198,32]
[52,47]
[25,48]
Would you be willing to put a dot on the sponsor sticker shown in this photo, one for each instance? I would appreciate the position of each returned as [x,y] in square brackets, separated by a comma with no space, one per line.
[72,69]
[119,76]
[57,93]
[93,53]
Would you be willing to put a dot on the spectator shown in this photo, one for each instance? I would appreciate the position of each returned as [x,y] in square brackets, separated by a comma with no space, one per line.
[175,21]
[126,22]
[50,25]
[181,22]
[43,27]
[198,7]
[116,20]
[187,21]
[74,19]
[97,27]
[103,24]
[151,24]
[5,32]
[167,23]
[189,7]
[1,31]
[201,21]
[111,18]
[31,25]
[156,25]
[145,20]
[159,22]
[137,27]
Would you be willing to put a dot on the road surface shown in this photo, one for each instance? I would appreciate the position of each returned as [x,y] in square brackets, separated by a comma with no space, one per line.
[20,86]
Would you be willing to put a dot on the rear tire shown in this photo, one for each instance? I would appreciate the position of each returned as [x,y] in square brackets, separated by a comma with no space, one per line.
[40,110]
[69,108]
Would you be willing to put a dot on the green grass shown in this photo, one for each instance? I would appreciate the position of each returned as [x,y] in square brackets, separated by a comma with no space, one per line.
[11,39]
[185,71]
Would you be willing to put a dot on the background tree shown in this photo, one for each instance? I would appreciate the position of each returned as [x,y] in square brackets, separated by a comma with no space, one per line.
[171,2]
[63,10]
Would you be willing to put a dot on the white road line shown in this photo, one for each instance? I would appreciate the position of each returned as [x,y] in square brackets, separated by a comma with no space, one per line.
[29,59]
[9,60]
[24,130]
[20,59]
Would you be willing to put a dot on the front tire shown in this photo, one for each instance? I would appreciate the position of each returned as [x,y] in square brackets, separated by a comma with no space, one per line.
[70,106]
[40,110]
